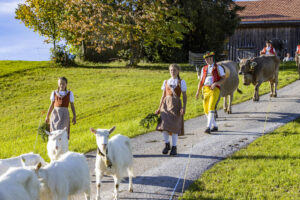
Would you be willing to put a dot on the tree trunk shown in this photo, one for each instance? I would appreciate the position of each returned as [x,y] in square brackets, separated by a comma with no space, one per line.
[83,50]
[54,45]
[134,58]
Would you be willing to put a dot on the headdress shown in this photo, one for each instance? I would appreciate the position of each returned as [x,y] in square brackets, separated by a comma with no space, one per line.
[208,54]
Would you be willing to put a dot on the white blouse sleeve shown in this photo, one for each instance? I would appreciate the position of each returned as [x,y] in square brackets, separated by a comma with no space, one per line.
[163,87]
[52,96]
[71,97]
[221,70]
[201,73]
[183,86]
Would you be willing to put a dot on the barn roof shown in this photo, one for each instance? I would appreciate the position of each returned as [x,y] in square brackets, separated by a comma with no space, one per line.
[270,11]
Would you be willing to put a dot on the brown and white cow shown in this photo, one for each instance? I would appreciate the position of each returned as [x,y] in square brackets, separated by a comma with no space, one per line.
[258,70]
[230,84]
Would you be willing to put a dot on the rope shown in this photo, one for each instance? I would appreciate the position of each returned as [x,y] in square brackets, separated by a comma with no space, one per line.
[267,114]
[186,169]
[181,174]
[176,184]
[268,107]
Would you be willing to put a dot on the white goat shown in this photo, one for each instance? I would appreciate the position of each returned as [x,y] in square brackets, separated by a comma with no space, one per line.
[64,177]
[114,158]
[31,159]
[58,143]
[19,183]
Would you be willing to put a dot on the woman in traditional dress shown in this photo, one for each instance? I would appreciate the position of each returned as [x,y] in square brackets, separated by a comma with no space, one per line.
[60,100]
[171,109]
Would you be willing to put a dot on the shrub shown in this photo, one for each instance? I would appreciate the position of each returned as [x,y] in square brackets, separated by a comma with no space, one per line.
[61,56]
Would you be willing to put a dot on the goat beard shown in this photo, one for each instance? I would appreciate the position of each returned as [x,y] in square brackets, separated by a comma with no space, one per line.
[45,192]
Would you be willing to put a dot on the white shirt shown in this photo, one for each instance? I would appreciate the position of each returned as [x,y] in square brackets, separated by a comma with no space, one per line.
[268,51]
[173,84]
[62,93]
[286,59]
[209,78]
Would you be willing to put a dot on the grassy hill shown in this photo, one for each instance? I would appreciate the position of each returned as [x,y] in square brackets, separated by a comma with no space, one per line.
[269,168]
[105,95]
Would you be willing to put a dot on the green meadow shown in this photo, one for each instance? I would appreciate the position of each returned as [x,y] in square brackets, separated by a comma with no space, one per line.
[269,168]
[106,95]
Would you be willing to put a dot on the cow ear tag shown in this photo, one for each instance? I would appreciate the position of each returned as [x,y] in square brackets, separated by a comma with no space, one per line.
[252,65]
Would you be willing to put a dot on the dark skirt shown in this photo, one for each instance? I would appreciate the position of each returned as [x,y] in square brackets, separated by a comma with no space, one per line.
[171,120]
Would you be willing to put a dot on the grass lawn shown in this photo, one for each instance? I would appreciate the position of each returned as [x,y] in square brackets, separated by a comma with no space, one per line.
[269,168]
[105,95]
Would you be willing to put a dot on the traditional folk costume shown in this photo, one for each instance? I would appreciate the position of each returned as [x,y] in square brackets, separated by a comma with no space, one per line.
[209,75]
[297,58]
[298,49]
[60,117]
[171,121]
[268,51]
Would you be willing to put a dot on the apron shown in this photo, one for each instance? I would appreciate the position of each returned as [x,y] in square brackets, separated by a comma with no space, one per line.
[171,120]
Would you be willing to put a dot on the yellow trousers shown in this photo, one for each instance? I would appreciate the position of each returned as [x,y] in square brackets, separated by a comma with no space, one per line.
[210,98]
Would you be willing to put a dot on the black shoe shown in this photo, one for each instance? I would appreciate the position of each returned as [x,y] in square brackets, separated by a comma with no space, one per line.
[207,130]
[214,129]
[166,149]
[173,151]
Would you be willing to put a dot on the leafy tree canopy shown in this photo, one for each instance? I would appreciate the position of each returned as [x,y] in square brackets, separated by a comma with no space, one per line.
[43,16]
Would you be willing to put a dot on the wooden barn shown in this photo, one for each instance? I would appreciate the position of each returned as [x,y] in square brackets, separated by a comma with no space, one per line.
[261,20]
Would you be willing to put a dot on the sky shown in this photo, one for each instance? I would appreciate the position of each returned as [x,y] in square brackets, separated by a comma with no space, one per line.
[17,42]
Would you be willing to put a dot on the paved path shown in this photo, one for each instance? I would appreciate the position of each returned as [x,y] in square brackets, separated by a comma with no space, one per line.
[157,174]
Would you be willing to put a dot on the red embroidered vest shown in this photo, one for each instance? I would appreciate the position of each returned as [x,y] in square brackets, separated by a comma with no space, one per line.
[298,47]
[215,75]
[62,101]
[271,51]
[177,90]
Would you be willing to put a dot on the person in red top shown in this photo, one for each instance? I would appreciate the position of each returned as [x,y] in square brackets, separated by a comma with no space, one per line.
[268,49]
[297,55]
[298,49]
[212,77]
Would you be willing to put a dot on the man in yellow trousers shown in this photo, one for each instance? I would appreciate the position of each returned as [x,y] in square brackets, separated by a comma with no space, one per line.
[212,77]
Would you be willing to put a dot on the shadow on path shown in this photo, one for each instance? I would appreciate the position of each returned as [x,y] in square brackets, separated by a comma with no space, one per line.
[257,157]
[179,155]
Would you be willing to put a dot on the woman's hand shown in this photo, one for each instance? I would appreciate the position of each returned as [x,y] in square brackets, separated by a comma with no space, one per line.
[182,111]
[197,95]
[157,111]
[74,120]
[47,120]
[214,85]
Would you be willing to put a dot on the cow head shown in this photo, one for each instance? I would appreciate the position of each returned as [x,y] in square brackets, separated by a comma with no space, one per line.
[247,66]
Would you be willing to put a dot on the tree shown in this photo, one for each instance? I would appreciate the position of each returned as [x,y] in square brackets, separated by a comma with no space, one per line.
[90,24]
[212,21]
[134,24]
[44,17]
